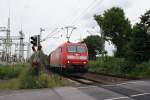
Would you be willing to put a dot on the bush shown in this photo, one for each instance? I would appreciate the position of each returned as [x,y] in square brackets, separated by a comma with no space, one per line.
[49,81]
[28,80]
[7,71]
[119,66]
[9,84]
[107,65]
[141,70]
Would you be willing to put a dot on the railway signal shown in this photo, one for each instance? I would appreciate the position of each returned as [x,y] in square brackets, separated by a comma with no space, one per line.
[35,40]
[37,55]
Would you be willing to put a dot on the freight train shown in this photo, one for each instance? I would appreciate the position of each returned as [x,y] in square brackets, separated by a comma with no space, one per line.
[69,56]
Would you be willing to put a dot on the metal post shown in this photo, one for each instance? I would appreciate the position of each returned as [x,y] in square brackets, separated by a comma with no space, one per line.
[28,49]
[8,45]
[40,37]
[68,36]
[21,46]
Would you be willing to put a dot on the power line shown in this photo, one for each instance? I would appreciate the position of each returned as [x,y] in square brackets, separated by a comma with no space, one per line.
[87,9]
[51,35]
[70,17]
[98,3]
[83,11]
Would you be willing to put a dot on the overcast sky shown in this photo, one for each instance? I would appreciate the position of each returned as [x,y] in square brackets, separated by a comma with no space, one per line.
[51,14]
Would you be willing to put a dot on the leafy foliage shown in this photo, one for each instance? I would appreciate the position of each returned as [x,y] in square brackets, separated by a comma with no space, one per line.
[139,47]
[108,65]
[7,71]
[94,44]
[133,45]
[28,80]
[141,70]
[24,77]
[115,27]
[118,66]
[40,57]
[9,84]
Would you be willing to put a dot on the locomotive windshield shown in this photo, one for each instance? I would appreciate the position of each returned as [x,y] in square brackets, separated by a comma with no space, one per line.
[81,49]
[72,49]
[76,49]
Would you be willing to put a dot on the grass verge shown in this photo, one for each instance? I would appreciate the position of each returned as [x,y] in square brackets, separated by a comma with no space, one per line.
[119,66]
[11,71]
[28,80]
[107,65]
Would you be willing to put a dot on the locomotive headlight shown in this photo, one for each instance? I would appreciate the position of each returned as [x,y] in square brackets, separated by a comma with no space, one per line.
[68,61]
[83,57]
[84,62]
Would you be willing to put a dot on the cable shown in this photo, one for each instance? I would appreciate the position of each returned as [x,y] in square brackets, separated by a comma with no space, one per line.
[99,3]
[83,11]
[95,5]
[81,14]
[68,17]
[51,35]
[89,7]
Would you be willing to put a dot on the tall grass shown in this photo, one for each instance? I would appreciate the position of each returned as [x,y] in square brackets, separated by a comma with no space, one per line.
[107,65]
[119,66]
[28,80]
[10,84]
[141,70]
[10,71]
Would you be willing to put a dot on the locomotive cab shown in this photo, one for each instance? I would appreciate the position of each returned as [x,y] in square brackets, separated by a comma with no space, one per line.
[77,55]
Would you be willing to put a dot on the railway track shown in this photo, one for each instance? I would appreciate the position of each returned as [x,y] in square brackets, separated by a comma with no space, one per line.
[91,78]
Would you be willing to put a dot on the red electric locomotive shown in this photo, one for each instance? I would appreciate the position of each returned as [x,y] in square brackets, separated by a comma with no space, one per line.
[69,56]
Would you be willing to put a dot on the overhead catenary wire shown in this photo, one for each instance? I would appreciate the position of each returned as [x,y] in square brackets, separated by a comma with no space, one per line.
[76,18]
[91,6]
[68,17]
[51,34]
[74,21]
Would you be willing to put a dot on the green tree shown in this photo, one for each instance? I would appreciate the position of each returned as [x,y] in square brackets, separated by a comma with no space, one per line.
[94,44]
[115,27]
[139,47]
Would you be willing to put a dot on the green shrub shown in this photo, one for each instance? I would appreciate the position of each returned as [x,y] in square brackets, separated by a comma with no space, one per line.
[107,65]
[7,71]
[9,84]
[23,76]
[119,66]
[141,70]
[43,80]
[28,80]
[48,81]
